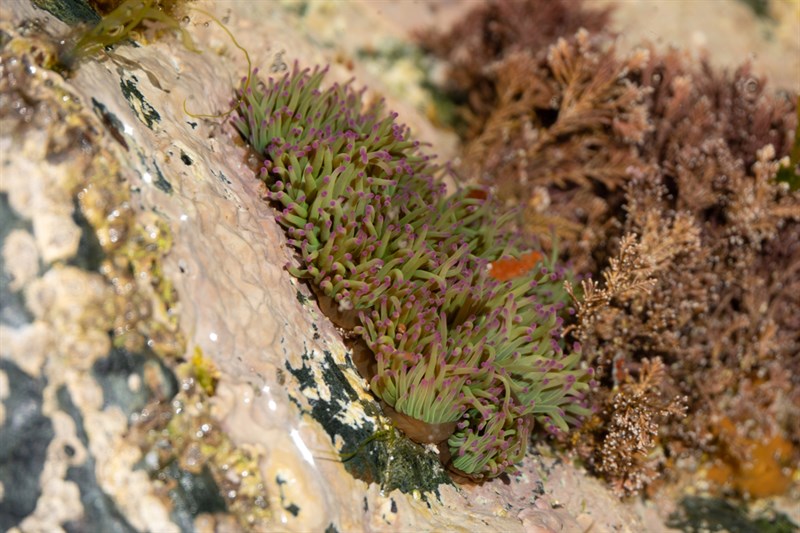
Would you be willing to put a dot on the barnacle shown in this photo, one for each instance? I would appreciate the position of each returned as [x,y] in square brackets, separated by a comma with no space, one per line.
[462,358]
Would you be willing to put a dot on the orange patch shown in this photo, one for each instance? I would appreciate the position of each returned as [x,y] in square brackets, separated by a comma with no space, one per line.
[762,474]
[506,269]
[477,194]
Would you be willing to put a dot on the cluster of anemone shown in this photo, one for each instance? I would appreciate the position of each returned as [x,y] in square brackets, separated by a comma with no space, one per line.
[460,358]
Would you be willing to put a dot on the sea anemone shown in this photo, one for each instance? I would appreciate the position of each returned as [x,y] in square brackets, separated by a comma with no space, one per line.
[462,358]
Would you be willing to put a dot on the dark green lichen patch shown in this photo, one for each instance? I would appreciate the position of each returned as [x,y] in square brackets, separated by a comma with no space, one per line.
[90,252]
[223,178]
[100,513]
[70,12]
[113,373]
[290,506]
[191,494]
[392,511]
[193,462]
[294,509]
[100,510]
[153,175]
[12,306]
[407,466]
[5,38]
[369,453]
[66,404]
[145,112]
[160,181]
[26,434]
[759,7]
[113,125]
[299,8]
[698,514]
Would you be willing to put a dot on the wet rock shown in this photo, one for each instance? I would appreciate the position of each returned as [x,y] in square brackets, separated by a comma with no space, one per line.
[26,434]
[131,380]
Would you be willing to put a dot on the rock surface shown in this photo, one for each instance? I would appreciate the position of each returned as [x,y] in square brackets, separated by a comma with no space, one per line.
[160,370]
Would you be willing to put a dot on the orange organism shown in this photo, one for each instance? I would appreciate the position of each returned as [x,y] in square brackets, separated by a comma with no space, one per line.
[506,269]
